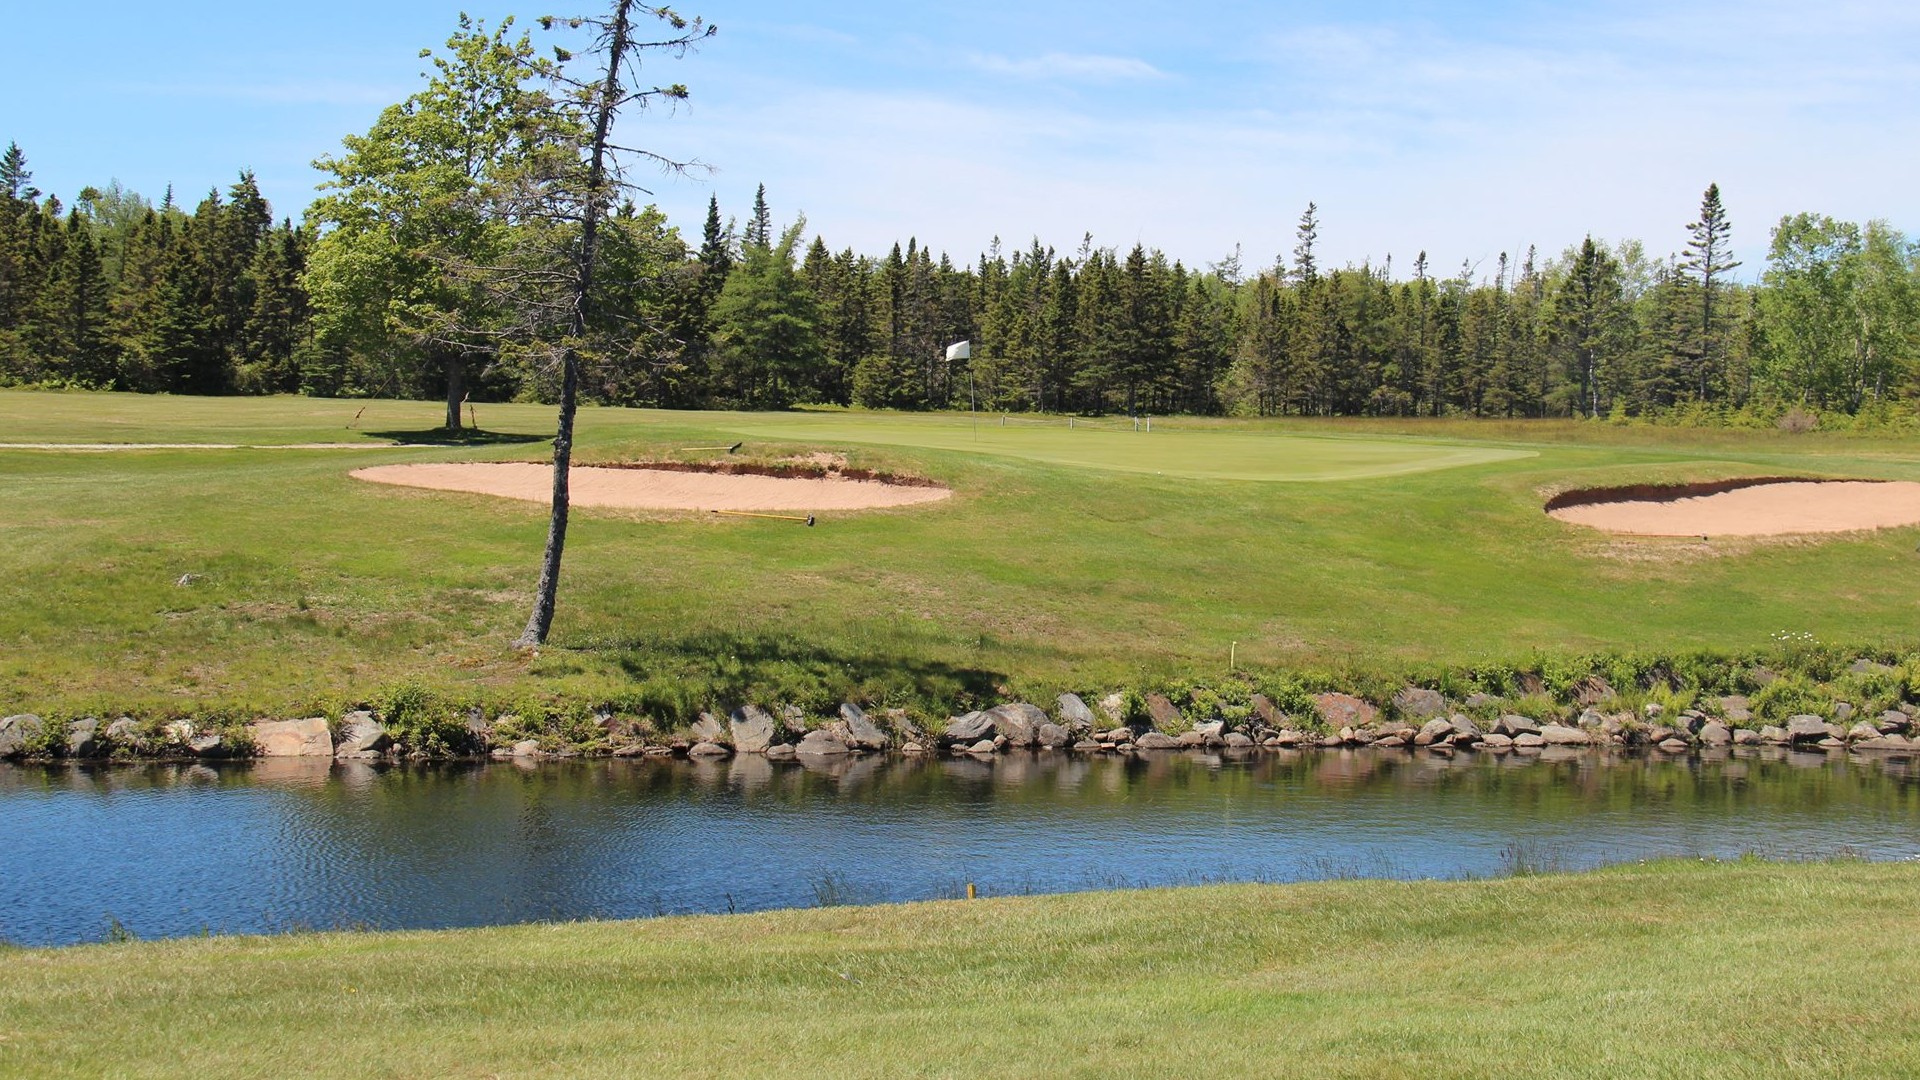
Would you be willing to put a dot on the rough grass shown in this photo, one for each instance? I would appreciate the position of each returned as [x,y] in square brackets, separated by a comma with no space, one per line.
[1742,969]
[305,587]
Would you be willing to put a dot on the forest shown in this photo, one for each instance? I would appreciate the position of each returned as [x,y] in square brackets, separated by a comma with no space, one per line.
[377,291]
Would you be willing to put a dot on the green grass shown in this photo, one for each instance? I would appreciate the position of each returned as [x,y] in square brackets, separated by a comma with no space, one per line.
[1065,560]
[1744,969]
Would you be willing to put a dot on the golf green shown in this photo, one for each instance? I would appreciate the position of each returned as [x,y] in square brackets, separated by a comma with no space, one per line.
[1167,450]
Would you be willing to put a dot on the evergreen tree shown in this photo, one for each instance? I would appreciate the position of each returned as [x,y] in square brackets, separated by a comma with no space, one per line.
[760,225]
[1708,260]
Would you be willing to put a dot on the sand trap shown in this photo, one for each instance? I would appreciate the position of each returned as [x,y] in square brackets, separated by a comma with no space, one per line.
[657,489]
[1745,508]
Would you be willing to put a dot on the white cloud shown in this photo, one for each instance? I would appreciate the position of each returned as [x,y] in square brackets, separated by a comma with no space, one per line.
[1066,67]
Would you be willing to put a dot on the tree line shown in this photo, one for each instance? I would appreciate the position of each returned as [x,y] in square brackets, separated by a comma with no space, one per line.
[401,282]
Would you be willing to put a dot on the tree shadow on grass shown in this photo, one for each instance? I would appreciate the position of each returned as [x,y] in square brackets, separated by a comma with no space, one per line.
[462,437]
[723,666]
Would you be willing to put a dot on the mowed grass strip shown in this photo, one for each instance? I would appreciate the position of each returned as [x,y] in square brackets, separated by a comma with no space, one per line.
[1744,969]
[1189,451]
[304,586]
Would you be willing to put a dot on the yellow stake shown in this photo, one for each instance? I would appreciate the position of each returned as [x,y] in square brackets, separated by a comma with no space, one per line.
[969,890]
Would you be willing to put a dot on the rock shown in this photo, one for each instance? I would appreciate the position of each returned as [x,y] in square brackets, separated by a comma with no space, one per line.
[1211,729]
[208,745]
[1736,708]
[1831,743]
[1419,704]
[969,728]
[1074,714]
[1774,734]
[781,752]
[293,738]
[1592,690]
[1190,739]
[1433,731]
[912,748]
[706,729]
[984,746]
[1114,708]
[1120,735]
[1746,737]
[1464,727]
[860,731]
[1018,721]
[479,729]
[1052,735]
[1263,708]
[1674,746]
[821,743]
[1164,714]
[1760,676]
[17,732]
[179,731]
[705,748]
[1086,746]
[83,738]
[530,748]
[1238,741]
[1863,730]
[1528,741]
[1714,733]
[1885,742]
[1155,740]
[1561,735]
[793,718]
[629,750]
[1807,728]
[1478,700]
[360,733]
[752,728]
[1514,726]
[1287,737]
[1843,712]
[1496,741]
[1344,710]
[1654,710]
[123,732]
[1389,741]
[1894,720]
[1869,667]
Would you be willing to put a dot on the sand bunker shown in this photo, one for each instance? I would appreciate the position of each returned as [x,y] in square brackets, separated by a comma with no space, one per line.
[1766,507]
[678,488]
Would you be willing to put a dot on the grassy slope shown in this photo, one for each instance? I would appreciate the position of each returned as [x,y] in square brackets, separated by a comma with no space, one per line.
[1037,576]
[1667,969]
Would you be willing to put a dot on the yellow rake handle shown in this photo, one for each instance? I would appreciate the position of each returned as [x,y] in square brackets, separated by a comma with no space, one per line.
[772,517]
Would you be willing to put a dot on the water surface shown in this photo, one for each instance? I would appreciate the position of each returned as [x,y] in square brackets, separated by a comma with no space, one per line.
[278,845]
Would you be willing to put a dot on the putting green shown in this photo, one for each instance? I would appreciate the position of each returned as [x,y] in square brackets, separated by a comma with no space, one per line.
[1166,451]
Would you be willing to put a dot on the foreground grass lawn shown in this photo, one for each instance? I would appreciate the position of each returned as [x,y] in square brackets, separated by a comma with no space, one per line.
[1664,969]
[269,580]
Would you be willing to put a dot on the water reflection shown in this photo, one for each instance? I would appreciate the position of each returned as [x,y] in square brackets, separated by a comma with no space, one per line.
[177,849]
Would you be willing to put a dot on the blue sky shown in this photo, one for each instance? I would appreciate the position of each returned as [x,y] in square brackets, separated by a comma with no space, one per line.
[1464,130]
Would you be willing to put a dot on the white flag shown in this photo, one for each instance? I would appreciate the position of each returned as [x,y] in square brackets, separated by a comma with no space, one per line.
[960,350]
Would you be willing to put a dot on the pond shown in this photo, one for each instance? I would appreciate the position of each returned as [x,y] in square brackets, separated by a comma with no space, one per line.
[276,845]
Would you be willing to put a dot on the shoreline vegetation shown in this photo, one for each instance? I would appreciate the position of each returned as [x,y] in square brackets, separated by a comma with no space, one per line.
[1661,968]
[1807,696]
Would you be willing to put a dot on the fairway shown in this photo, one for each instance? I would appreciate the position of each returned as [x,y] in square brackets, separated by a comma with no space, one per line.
[1168,450]
[1089,560]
